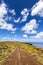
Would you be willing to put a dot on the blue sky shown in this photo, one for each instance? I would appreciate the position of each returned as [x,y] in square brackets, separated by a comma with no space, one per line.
[21,20]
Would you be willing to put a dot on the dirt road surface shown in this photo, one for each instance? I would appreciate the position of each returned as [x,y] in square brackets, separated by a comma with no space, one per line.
[21,57]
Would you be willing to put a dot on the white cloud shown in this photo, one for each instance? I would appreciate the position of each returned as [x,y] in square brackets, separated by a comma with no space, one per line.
[24,19]
[9,18]
[3,23]
[17,20]
[39,35]
[6,38]
[3,9]
[25,36]
[37,9]
[33,32]
[30,28]
[25,14]
[12,12]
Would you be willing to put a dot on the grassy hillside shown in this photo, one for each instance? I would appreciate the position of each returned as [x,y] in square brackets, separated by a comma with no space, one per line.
[7,48]
[37,53]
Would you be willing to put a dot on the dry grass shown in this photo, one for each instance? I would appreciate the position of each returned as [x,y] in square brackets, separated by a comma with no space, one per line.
[7,48]
[37,53]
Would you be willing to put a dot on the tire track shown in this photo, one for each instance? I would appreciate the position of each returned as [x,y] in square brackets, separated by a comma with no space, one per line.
[20,57]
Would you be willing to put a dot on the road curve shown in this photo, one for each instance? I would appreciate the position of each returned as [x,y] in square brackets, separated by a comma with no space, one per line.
[20,57]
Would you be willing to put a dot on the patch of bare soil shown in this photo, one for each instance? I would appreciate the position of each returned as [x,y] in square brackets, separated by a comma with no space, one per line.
[20,57]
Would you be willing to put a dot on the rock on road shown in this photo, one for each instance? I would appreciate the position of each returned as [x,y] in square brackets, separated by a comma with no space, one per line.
[21,57]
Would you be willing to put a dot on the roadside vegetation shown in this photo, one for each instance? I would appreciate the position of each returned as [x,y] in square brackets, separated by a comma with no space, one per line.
[36,52]
[7,48]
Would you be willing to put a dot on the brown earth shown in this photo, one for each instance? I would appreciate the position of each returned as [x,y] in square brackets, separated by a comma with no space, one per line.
[21,57]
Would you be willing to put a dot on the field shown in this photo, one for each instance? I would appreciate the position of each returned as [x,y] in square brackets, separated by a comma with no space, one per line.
[7,48]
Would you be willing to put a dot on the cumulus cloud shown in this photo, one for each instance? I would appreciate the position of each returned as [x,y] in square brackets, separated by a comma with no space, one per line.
[3,9]
[9,18]
[17,20]
[30,28]
[37,9]
[25,36]
[25,14]
[38,35]
[12,12]
[33,32]
[3,23]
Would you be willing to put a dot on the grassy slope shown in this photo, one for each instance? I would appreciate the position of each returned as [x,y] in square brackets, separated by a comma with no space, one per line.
[36,52]
[7,48]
